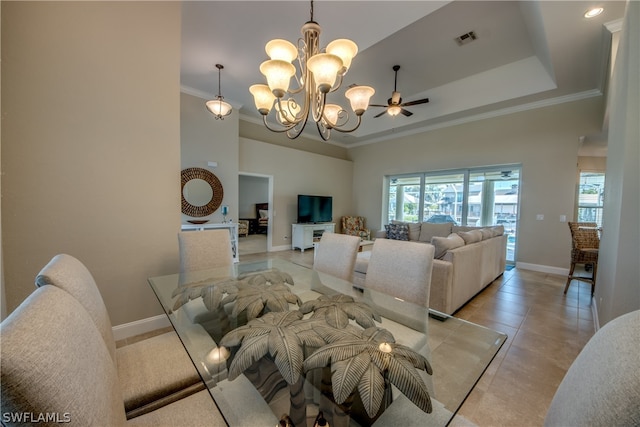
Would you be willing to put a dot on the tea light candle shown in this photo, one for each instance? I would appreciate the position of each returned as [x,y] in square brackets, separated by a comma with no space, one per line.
[385,347]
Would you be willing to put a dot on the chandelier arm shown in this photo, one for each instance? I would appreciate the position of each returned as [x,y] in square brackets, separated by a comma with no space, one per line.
[349,130]
[337,84]
[272,129]
[325,132]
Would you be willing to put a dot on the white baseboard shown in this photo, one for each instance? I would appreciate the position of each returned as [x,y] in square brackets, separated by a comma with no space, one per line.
[542,268]
[142,326]
[280,248]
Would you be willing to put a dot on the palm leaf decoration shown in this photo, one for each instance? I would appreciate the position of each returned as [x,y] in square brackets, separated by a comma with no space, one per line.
[215,293]
[365,359]
[261,297]
[282,335]
[338,309]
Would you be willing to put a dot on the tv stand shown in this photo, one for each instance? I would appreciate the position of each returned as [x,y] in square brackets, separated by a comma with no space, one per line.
[303,236]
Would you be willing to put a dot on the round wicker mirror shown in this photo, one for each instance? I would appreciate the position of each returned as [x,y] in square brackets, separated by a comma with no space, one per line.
[194,205]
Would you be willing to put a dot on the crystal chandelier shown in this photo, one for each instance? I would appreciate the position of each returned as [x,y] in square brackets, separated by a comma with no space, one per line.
[319,72]
[218,107]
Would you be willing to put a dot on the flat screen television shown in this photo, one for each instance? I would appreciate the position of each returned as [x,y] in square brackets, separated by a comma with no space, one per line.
[314,209]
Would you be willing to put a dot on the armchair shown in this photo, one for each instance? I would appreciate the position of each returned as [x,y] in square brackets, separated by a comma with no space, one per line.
[355,226]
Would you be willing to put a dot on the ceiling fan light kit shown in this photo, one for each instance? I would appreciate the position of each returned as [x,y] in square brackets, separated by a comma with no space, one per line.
[317,74]
[394,104]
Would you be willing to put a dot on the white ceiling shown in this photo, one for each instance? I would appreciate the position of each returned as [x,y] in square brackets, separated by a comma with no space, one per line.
[527,54]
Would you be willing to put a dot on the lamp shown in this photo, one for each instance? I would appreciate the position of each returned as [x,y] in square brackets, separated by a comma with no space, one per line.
[218,107]
[318,73]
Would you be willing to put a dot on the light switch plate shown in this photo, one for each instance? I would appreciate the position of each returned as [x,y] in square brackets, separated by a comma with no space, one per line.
[540,217]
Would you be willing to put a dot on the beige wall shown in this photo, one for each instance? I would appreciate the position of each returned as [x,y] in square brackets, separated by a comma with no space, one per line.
[297,172]
[205,139]
[90,145]
[544,141]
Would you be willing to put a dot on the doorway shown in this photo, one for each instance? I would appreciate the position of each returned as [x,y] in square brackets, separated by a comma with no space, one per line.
[254,191]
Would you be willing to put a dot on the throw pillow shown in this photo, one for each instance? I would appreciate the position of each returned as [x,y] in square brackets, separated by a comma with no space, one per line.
[473,236]
[444,244]
[397,231]
[428,230]
[414,229]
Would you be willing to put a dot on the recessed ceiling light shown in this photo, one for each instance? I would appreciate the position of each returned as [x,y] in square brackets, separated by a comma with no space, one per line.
[592,13]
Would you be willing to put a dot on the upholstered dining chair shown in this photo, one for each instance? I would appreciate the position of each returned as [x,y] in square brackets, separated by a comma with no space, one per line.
[336,255]
[202,250]
[153,372]
[602,385]
[585,244]
[55,363]
[401,269]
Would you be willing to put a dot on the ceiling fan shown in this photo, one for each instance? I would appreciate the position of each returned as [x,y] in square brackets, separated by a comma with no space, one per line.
[395,104]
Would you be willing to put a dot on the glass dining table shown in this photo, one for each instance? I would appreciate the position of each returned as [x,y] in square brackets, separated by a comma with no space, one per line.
[274,340]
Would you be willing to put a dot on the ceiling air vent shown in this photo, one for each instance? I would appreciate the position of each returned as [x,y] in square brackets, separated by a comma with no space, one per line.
[466,38]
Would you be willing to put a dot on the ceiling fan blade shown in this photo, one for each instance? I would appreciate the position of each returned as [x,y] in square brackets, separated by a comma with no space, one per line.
[406,112]
[416,102]
[378,105]
[380,114]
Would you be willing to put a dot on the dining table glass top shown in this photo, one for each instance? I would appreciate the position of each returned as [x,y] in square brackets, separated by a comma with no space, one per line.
[274,337]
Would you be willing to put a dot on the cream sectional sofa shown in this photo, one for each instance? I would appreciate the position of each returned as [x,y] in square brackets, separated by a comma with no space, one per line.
[467,259]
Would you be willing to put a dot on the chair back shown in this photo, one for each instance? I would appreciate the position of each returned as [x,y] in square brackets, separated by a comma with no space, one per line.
[602,386]
[203,250]
[402,269]
[584,235]
[71,275]
[55,362]
[336,255]
[355,226]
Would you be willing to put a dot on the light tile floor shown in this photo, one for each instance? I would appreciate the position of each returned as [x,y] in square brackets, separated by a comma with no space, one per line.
[546,331]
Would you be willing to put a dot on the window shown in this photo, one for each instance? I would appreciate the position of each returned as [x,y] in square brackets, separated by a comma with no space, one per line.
[590,197]
[473,197]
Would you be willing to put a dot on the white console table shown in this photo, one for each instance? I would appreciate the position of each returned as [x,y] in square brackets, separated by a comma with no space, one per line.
[304,235]
[231,226]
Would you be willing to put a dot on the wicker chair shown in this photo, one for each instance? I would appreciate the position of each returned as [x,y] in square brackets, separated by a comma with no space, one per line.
[585,244]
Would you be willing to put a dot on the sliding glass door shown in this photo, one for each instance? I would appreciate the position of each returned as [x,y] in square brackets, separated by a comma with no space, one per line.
[472,197]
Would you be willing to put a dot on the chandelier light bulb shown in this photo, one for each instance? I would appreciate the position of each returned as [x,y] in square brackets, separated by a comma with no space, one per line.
[278,74]
[287,111]
[263,98]
[282,50]
[359,97]
[324,67]
[331,114]
[345,49]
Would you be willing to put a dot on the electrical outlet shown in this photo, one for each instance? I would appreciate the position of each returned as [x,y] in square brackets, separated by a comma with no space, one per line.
[563,218]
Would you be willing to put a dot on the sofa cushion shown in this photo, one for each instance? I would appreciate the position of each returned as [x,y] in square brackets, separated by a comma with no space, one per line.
[397,231]
[498,230]
[429,230]
[473,236]
[443,244]
[487,233]
[414,229]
